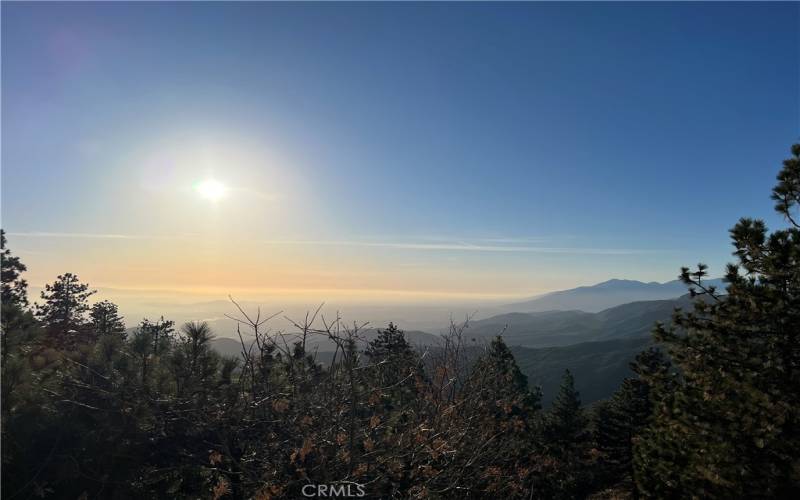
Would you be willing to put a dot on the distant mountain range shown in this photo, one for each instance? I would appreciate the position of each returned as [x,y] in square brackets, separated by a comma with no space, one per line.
[596,298]
[560,328]
[595,331]
[538,329]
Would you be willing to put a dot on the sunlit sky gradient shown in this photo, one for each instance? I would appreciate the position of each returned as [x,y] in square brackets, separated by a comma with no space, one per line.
[389,150]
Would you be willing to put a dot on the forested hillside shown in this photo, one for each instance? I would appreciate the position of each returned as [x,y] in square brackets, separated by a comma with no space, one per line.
[91,409]
[599,366]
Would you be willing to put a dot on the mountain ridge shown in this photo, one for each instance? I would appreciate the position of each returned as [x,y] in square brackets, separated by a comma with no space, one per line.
[604,295]
[555,328]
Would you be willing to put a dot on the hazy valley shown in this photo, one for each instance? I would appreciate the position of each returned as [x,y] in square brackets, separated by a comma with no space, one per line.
[596,346]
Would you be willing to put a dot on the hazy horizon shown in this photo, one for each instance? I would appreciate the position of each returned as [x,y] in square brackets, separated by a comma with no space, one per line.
[413,311]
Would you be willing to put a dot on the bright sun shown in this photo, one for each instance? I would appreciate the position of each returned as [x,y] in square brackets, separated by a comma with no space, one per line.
[211,189]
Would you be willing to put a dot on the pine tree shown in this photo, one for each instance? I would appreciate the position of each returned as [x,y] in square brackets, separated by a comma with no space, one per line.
[14,288]
[505,383]
[149,342]
[159,332]
[389,343]
[394,364]
[22,401]
[618,421]
[16,322]
[566,422]
[194,363]
[497,401]
[731,428]
[63,313]
[105,319]
[564,442]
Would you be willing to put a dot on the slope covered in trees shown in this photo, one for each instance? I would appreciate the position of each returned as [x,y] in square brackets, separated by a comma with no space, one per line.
[91,410]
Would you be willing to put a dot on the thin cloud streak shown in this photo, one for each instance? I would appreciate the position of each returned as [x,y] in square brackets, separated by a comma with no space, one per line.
[79,235]
[467,247]
[100,236]
[454,245]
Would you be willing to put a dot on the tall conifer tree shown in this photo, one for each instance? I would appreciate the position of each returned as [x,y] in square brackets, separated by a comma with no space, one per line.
[731,429]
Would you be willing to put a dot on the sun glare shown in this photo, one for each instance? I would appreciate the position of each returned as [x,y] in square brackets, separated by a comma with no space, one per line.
[211,189]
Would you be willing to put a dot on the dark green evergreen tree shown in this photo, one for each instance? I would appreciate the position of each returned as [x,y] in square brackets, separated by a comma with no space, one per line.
[194,363]
[394,364]
[14,288]
[504,411]
[16,322]
[63,312]
[161,333]
[731,428]
[505,384]
[618,421]
[565,442]
[150,341]
[566,423]
[390,343]
[105,319]
[23,403]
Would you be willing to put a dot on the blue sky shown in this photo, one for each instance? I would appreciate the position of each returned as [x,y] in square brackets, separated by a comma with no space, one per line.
[441,148]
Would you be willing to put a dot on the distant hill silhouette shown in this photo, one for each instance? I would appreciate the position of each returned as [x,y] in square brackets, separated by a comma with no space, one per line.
[596,298]
[233,347]
[560,328]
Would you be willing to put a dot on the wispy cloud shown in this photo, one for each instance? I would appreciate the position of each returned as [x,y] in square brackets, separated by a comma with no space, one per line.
[505,245]
[465,246]
[102,236]
[40,234]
